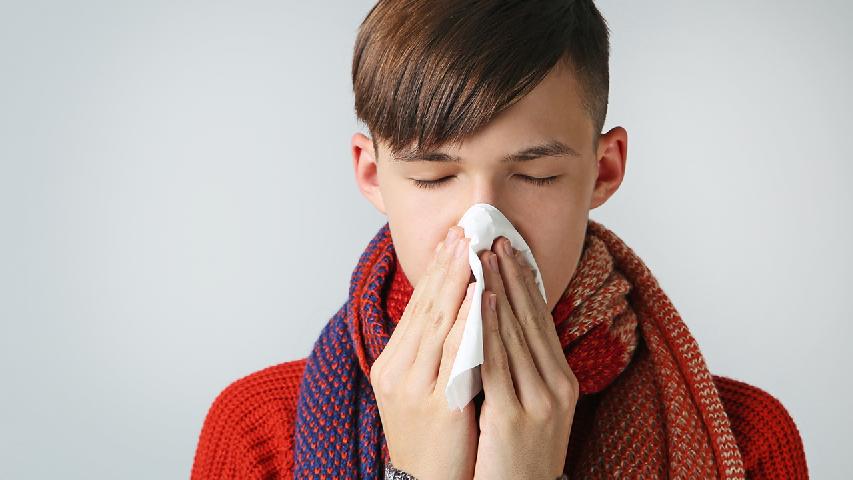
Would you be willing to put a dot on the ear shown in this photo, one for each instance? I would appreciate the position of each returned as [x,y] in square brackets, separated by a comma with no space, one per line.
[611,157]
[366,170]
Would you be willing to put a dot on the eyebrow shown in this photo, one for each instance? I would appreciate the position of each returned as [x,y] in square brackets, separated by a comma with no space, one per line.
[553,148]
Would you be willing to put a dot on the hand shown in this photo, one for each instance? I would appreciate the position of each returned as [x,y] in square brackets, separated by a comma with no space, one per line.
[530,390]
[425,437]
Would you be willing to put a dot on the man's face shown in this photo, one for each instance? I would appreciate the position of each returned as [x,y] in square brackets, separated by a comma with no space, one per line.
[551,217]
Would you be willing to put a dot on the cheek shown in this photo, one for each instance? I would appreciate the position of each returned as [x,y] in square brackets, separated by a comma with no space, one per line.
[563,271]
[555,286]
[415,249]
[556,253]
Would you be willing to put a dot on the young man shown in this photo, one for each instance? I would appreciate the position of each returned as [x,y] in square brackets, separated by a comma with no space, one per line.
[497,102]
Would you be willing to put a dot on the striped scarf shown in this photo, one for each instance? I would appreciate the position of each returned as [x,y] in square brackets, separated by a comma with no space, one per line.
[648,406]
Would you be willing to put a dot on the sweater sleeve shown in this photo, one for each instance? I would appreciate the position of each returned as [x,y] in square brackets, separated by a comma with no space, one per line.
[766,434]
[248,429]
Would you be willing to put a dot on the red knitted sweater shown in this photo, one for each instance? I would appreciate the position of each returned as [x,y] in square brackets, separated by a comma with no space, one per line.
[248,431]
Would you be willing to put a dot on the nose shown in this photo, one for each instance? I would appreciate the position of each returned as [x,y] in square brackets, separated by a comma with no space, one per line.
[485,191]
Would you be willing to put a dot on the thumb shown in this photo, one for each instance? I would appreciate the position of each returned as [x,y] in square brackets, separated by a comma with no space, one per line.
[453,339]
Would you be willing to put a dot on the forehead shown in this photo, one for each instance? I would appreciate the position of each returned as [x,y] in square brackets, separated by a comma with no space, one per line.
[551,111]
[554,105]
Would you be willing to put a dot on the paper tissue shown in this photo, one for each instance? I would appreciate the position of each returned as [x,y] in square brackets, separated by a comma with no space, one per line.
[483,223]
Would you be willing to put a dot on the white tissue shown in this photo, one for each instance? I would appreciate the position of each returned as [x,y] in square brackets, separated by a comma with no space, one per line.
[483,223]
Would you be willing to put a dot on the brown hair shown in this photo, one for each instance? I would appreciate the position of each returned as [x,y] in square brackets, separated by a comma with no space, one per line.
[431,72]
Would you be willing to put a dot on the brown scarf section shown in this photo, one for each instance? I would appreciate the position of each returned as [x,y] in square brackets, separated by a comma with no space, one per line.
[648,406]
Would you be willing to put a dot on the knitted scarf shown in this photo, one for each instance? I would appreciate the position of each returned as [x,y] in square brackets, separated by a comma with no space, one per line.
[656,411]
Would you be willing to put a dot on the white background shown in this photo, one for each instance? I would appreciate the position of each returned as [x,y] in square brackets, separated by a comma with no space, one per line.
[166,171]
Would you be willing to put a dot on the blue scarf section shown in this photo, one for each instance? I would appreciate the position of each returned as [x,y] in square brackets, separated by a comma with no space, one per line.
[338,432]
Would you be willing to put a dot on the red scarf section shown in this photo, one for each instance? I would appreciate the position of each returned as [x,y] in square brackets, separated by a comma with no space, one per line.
[648,404]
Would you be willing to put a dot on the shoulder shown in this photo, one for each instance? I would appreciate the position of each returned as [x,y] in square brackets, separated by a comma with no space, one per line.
[270,389]
[277,384]
[766,434]
[248,429]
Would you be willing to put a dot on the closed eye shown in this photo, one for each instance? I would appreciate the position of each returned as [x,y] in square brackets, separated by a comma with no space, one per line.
[437,183]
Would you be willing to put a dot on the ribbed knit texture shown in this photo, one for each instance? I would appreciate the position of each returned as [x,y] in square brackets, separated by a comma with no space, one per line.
[644,409]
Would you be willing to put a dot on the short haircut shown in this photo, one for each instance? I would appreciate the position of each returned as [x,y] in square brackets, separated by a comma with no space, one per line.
[430,72]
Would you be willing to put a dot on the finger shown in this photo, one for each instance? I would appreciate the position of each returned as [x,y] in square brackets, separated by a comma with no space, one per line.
[528,383]
[437,272]
[434,310]
[402,324]
[546,322]
[495,370]
[449,295]
[438,262]
[394,354]
[451,344]
[546,355]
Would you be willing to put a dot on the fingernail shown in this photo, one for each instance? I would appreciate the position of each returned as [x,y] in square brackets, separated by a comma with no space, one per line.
[461,247]
[450,244]
[452,234]
[493,261]
[492,301]
[506,246]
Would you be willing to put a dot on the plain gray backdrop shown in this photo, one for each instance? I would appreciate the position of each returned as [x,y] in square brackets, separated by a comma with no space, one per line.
[179,209]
